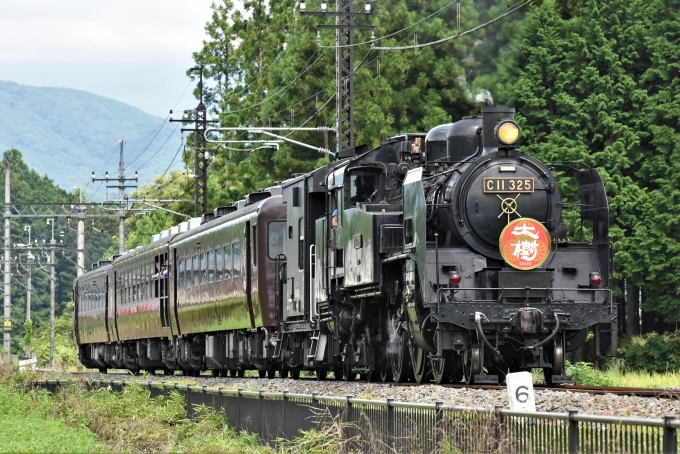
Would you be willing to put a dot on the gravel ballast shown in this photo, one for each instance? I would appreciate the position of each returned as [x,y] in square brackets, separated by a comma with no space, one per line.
[546,400]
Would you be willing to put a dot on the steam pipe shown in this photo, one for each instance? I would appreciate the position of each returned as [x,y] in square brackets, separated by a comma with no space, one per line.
[557,327]
[480,331]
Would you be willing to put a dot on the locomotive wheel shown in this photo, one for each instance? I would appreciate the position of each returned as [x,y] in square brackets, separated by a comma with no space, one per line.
[386,370]
[295,373]
[283,373]
[232,372]
[103,370]
[421,364]
[241,373]
[472,363]
[374,376]
[271,373]
[338,373]
[262,373]
[443,368]
[400,359]
[321,374]
[558,363]
[347,373]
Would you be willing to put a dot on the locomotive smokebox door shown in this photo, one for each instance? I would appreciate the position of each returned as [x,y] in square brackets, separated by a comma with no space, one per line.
[530,320]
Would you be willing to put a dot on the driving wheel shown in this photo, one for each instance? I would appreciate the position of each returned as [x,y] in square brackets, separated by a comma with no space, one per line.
[400,357]
[446,369]
[421,364]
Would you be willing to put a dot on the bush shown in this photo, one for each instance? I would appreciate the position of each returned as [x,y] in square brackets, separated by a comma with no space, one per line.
[584,374]
[652,352]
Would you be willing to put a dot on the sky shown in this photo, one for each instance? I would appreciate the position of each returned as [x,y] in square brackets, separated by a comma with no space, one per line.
[136,52]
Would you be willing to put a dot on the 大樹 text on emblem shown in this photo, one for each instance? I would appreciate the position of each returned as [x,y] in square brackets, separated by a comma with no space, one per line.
[525,244]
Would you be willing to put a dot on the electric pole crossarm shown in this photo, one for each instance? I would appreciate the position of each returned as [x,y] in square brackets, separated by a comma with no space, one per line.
[343,27]
[333,13]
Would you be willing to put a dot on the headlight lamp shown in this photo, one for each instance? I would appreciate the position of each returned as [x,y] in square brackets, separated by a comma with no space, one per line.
[507,132]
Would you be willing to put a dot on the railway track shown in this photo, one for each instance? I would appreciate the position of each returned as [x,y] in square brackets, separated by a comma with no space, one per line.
[661,393]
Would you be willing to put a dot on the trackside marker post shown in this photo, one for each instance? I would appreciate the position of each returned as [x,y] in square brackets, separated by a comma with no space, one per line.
[521,391]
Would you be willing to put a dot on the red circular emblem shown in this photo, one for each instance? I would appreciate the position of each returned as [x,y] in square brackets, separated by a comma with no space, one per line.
[525,244]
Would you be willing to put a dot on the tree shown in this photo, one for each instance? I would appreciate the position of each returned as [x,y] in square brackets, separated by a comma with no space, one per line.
[596,82]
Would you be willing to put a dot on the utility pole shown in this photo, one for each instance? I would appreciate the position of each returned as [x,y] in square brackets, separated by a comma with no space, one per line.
[7,341]
[200,151]
[53,244]
[29,260]
[121,198]
[344,71]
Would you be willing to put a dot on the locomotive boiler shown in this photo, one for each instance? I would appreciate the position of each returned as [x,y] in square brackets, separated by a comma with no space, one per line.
[444,255]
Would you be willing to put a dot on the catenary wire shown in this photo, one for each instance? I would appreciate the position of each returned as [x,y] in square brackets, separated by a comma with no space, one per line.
[436,13]
[449,38]
[159,149]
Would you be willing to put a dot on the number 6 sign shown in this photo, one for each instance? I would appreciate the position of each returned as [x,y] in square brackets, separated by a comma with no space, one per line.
[521,391]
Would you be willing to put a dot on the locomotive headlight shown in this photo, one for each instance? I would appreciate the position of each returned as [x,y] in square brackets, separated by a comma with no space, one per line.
[507,132]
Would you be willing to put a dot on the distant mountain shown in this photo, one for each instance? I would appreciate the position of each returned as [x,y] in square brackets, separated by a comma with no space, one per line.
[67,134]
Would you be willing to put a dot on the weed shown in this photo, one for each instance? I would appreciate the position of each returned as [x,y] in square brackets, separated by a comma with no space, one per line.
[583,373]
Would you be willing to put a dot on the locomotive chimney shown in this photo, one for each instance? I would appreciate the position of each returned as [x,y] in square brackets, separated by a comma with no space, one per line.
[490,118]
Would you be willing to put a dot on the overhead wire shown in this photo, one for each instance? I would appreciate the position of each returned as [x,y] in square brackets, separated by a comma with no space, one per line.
[436,13]
[157,130]
[159,149]
[450,38]
[150,142]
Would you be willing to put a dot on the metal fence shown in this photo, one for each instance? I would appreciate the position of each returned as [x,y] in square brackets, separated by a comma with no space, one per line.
[389,426]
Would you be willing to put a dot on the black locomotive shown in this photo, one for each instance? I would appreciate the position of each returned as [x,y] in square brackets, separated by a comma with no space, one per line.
[442,255]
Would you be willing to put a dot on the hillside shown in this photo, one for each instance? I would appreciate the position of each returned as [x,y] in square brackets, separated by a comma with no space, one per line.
[66,134]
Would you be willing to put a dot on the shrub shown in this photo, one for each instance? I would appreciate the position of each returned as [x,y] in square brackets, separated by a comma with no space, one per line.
[652,352]
[584,374]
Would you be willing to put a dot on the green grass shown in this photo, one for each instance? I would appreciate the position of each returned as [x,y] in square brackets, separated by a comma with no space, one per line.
[101,420]
[621,376]
[615,373]
[26,425]
[34,433]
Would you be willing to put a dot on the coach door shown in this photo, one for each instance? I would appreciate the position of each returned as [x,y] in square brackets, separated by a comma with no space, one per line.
[161,287]
[115,299]
[76,315]
[106,308]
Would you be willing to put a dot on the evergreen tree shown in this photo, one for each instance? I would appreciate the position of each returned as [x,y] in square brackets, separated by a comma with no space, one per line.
[597,83]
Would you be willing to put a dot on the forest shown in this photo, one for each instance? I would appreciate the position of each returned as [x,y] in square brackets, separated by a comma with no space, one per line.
[593,82]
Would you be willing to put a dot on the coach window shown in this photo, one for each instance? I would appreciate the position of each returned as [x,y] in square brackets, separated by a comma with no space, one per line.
[275,240]
[187,273]
[237,259]
[194,271]
[218,264]
[203,267]
[254,241]
[227,262]
[211,266]
[180,284]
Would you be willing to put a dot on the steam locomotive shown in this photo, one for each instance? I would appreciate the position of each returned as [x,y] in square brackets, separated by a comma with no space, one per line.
[441,255]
